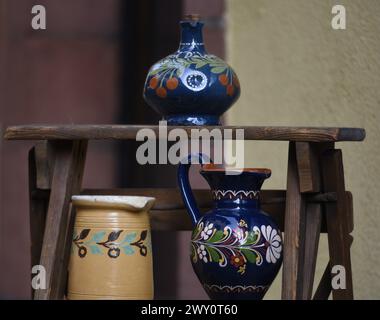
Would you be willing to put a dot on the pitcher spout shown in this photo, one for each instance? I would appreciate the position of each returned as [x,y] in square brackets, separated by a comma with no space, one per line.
[244,186]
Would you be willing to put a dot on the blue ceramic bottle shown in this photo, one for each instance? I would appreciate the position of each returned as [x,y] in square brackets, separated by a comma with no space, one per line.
[191,87]
[236,249]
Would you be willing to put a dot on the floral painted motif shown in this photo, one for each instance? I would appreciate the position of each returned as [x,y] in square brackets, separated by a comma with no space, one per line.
[169,72]
[191,86]
[207,231]
[201,251]
[273,242]
[115,247]
[236,247]
[238,260]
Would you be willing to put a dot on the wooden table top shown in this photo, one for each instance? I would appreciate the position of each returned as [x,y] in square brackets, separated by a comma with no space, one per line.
[128,132]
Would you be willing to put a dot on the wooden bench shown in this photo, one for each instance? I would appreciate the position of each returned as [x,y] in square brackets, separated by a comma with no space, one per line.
[315,199]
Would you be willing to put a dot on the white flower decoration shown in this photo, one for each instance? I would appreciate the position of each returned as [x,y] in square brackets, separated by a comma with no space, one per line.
[274,243]
[202,253]
[207,231]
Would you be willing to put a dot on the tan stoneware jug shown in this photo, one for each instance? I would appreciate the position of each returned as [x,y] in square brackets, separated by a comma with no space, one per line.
[111,251]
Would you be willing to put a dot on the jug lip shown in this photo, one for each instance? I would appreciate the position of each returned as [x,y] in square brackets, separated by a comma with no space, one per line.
[213,168]
[132,203]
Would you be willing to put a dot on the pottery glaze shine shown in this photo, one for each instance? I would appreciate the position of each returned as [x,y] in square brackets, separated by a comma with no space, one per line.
[111,251]
[236,248]
[191,86]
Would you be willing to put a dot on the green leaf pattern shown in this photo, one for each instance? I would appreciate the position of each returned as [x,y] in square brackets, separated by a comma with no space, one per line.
[238,247]
[100,240]
[173,64]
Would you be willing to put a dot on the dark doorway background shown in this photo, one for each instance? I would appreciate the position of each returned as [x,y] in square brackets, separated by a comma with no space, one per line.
[149,33]
[89,66]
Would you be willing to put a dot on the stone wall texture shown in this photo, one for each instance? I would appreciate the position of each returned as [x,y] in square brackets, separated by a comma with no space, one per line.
[294,69]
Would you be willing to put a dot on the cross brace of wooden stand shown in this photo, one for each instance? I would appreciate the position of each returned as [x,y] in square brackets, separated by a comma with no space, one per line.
[315,201]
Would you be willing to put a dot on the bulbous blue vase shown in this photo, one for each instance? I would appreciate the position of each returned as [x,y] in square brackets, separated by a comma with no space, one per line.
[236,249]
[191,87]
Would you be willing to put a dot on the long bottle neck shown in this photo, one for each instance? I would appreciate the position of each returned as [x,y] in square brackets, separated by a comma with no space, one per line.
[191,37]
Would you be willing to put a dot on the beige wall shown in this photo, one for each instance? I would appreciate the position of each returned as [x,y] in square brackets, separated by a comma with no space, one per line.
[296,70]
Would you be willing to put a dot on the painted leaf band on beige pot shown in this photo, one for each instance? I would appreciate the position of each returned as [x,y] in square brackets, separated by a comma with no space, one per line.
[111,251]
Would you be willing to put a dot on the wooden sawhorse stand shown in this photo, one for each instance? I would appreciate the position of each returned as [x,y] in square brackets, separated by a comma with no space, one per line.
[314,201]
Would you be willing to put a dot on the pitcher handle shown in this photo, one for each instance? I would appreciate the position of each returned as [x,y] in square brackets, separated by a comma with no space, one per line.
[185,188]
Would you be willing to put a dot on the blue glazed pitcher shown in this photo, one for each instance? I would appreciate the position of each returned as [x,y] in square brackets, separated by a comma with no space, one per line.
[236,249]
[190,86]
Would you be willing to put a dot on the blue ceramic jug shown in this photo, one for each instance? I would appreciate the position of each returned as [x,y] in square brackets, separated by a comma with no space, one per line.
[236,249]
[191,87]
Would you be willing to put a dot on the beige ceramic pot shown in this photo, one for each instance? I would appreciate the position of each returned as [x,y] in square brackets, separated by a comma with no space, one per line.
[111,253]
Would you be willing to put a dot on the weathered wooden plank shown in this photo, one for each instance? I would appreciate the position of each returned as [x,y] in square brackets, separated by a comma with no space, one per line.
[337,219]
[93,132]
[308,167]
[349,212]
[170,198]
[310,176]
[66,180]
[169,201]
[324,288]
[44,164]
[81,150]
[169,212]
[294,232]
[37,208]
[173,220]
[267,196]
[313,230]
